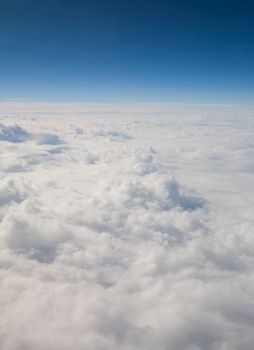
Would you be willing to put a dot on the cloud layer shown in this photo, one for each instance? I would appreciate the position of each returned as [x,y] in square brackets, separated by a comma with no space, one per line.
[126,234]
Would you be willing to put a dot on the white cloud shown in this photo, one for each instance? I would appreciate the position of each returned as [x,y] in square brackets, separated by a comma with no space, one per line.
[143,243]
[22,108]
[13,133]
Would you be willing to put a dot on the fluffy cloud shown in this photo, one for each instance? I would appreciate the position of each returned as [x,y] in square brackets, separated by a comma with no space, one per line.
[13,133]
[133,236]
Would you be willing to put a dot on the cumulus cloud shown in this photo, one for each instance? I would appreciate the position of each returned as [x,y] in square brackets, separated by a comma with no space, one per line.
[47,139]
[113,135]
[134,236]
[13,133]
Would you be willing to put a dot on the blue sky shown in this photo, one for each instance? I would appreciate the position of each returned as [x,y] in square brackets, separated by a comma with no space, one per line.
[127,51]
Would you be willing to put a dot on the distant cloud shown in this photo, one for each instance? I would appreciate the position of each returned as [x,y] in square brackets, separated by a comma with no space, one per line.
[22,107]
[16,134]
[13,133]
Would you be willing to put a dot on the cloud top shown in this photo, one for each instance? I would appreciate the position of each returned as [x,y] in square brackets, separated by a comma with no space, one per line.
[126,234]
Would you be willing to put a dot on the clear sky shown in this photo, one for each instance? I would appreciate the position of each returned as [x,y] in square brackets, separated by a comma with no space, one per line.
[138,51]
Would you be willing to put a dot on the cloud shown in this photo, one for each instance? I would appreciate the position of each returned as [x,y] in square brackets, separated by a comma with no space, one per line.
[13,133]
[10,193]
[16,134]
[114,110]
[48,139]
[143,243]
[113,135]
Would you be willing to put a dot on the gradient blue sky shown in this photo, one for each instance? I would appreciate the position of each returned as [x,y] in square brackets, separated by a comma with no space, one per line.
[127,51]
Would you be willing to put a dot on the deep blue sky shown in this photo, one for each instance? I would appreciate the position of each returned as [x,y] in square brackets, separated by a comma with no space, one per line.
[171,51]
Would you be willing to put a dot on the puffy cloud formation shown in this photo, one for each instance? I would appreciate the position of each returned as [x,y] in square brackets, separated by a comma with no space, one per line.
[13,133]
[126,234]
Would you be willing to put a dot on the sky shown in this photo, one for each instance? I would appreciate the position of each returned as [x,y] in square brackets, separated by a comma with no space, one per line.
[127,51]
